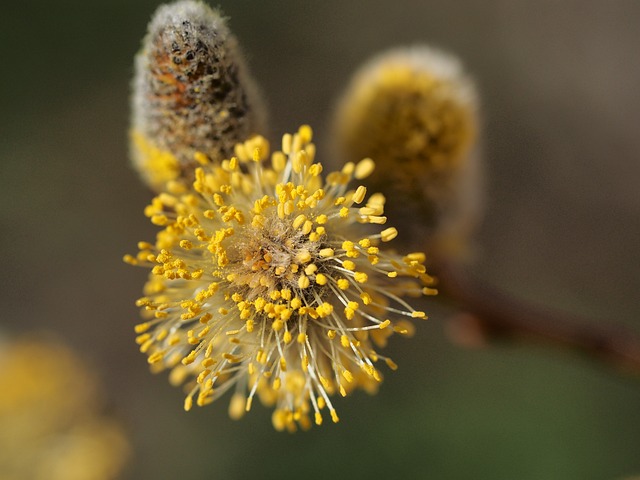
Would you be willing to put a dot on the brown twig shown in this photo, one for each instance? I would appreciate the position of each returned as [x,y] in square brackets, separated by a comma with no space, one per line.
[490,314]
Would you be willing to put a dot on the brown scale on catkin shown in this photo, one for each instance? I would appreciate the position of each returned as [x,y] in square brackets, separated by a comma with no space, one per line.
[193,97]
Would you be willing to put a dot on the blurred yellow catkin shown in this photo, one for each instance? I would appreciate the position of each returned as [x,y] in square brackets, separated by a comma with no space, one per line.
[50,424]
[193,98]
[414,112]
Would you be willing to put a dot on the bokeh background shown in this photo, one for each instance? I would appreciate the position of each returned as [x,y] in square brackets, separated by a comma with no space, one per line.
[561,142]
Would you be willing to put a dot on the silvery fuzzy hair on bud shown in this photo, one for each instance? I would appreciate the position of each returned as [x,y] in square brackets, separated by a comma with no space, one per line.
[414,111]
[192,91]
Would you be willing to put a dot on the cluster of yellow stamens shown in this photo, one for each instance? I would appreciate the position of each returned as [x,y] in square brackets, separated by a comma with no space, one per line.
[264,280]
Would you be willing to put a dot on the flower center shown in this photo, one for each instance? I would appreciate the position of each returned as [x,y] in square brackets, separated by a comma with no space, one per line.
[273,257]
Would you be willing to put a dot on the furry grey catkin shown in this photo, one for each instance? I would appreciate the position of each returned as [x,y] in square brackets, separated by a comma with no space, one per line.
[192,94]
[414,112]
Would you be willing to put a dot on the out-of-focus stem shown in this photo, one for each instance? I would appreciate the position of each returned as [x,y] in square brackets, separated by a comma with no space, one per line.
[489,314]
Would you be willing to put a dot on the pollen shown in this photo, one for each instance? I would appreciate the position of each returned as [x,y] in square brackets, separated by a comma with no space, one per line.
[264,281]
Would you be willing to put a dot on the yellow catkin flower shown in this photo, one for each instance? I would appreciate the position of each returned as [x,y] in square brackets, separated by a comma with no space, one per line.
[414,111]
[260,302]
[52,427]
[193,98]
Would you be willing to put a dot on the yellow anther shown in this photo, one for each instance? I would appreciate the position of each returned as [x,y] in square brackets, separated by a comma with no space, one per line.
[201,158]
[237,406]
[391,364]
[326,252]
[302,338]
[349,265]
[322,219]
[278,161]
[188,403]
[277,325]
[315,169]
[160,220]
[207,362]
[334,416]
[418,314]
[377,220]
[321,279]
[307,227]
[299,221]
[366,298]
[303,281]
[344,340]
[318,418]
[306,133]
[303,256]
[142,327]
[348,245]
[331,334]
[344,212]
[415,257]
[361,277]
[384,324]
[324,310]
[343,284]
[389,234]
[359,194]
[348,376]
[155,357]
[130,259]
[364,168]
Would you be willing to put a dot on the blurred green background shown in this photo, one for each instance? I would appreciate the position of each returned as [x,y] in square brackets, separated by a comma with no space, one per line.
[561,107]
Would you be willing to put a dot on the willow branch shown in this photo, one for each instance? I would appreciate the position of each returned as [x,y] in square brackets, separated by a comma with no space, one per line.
[490,314]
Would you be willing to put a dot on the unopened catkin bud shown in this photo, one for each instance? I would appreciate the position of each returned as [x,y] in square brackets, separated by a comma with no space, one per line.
[414,112]
[193,97]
